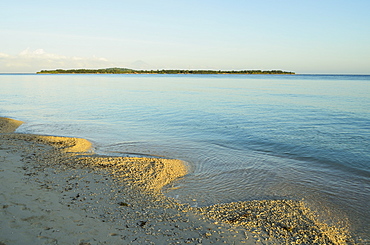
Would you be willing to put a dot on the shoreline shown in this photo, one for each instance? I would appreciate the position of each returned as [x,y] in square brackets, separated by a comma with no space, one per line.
[58,191]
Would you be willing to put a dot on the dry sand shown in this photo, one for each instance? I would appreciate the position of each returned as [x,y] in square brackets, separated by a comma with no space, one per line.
[55,190]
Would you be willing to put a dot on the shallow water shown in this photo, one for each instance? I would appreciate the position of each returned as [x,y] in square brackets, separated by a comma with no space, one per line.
[245,136]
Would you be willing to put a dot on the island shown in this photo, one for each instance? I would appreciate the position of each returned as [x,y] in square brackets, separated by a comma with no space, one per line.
[132,71]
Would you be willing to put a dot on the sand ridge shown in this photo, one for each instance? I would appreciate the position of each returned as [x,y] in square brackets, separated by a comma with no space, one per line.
[8,125]
[62,144]
[59,192]
[149,174]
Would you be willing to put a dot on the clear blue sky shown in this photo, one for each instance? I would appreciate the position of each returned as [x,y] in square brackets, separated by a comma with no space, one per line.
[305,36]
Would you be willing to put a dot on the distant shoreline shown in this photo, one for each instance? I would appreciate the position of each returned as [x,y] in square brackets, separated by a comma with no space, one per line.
[132,71]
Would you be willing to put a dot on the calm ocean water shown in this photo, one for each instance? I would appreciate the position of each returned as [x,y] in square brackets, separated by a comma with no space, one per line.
[245,137]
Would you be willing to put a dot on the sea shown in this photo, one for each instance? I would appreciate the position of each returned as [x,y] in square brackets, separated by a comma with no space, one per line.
[244,137]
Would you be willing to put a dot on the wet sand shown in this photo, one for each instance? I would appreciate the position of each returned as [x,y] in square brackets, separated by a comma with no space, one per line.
[55,190]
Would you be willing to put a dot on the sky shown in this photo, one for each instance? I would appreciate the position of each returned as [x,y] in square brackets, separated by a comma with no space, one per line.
[303,36]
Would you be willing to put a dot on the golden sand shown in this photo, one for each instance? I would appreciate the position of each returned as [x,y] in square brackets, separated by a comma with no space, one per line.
[284,220]
[8,125]
[149,174]
[63,144]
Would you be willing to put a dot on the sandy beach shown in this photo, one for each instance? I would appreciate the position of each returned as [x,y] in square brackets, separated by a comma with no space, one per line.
[56,190]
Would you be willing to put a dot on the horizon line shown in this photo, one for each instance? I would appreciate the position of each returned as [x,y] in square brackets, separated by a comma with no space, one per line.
[36,73]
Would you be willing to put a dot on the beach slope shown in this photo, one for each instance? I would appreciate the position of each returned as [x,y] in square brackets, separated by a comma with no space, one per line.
[55,190]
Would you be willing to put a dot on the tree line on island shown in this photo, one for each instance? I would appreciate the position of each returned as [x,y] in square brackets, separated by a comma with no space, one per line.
[131,71]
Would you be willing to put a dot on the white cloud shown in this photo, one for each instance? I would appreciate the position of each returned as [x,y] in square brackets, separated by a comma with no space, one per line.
[2,55]
[36,60]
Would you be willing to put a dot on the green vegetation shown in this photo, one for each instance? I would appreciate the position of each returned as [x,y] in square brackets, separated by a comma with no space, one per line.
[131,71]
[88,71]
